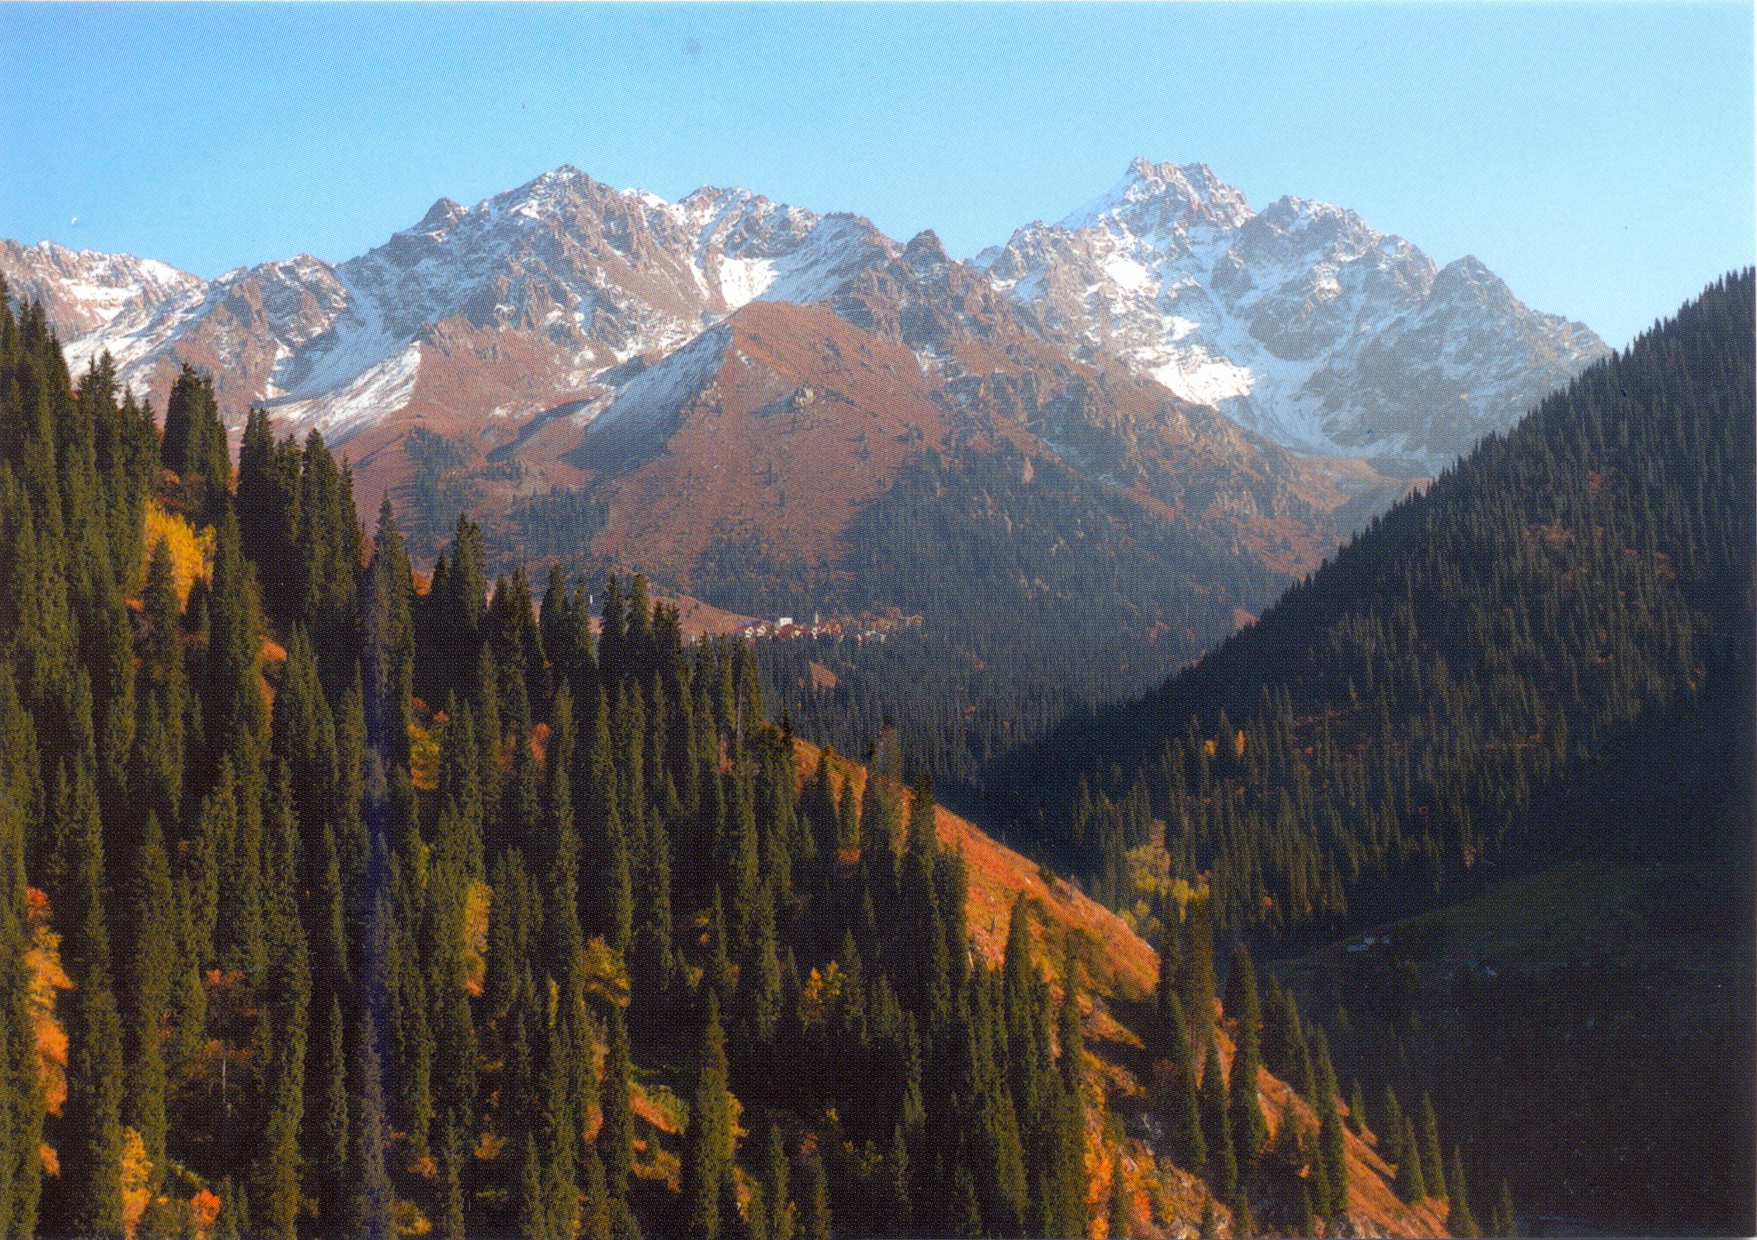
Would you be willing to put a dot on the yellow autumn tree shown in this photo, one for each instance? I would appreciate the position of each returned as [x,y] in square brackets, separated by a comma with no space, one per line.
[192,551]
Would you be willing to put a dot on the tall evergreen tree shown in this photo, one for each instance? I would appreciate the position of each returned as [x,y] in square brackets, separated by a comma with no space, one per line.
[1459,1219]
[1250,1129]
[1217,1127]
[1433,1170]
[1410,1184]
[707,1141]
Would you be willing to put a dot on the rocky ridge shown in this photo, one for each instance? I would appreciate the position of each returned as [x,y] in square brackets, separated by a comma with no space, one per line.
[1299,321]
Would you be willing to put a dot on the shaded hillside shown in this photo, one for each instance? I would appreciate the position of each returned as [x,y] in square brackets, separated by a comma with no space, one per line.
[1129,1154]
[1387,727]
[1529,689]
[1068,533]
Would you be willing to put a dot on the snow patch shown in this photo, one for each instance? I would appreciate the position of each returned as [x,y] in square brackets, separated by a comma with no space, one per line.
[366,399]
[663,388]
[1202,379]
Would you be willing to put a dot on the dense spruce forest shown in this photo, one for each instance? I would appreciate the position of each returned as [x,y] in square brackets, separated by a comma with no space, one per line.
[359,910]
[335,906]
[341,900]
[1524,697]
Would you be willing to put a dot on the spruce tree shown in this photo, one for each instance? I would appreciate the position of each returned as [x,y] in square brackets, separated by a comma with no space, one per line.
[773,1178]
[371,1197]
[1410,1184]
[1391,1127]
[1249,1128]
[1217,1126]
[1332,1152]
[451,1210]
[1459,1219]
[707,1141]
[814,1200]
[1433,1170]
[595,1210]
[91,1166]
[616,1132]
[1188,1144]
[1502,1219]
[1118,1218]
[151,971]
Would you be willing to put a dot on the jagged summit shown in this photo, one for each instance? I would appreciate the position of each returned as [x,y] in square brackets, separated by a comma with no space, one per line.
[925,249]
[442,214]
[1163,196]
[1299,321]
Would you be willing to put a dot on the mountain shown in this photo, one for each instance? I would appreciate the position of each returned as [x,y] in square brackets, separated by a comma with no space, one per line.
[1501,745]
[564,276]
[1299,322]
[87,294]
[644,965]
[784,413]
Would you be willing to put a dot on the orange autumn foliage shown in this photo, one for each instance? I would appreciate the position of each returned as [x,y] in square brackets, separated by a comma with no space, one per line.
[205,1208]
[47,980]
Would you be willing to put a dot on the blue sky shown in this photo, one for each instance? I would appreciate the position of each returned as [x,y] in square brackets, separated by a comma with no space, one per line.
[1597,156]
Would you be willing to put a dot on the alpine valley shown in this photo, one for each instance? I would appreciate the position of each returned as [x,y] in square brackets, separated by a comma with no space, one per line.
[1081,458]
[1270,755]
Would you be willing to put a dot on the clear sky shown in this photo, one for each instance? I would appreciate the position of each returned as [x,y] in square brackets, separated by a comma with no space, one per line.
[1599,157]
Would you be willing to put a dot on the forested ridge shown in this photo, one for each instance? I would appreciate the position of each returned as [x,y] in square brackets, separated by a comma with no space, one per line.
[1535,678]
[326,959]
[334,906]
[1042,593]
[1389,725]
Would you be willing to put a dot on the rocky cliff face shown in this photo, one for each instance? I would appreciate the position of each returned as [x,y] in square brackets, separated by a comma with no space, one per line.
[1298,321]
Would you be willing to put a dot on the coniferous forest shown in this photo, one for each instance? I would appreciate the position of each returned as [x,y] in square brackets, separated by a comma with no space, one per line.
[1525,697]
[342,896]
[337,906]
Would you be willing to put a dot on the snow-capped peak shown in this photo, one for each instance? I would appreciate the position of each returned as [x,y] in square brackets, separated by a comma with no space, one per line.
[440,216]
[1301,322]
[1154,198]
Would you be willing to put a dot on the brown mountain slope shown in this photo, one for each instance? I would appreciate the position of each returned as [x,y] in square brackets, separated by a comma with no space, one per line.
[1117,971]
[780,423]
[804,419]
